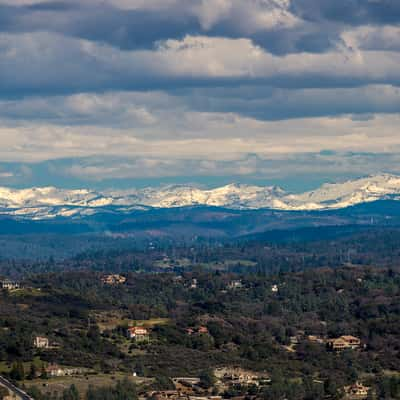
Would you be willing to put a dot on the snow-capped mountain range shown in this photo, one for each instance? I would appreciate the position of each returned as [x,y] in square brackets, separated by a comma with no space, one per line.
[50,202]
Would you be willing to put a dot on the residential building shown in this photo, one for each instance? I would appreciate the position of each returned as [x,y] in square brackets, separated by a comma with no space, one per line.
[201,330]
[8,284]
[113,279]
[166,395]
[55,370]
[41,342]
[356,391]
[294,340]
[230,376]
[235,284]
[315,339]
[193,285]
[353,342]
[344,342]
[137,333]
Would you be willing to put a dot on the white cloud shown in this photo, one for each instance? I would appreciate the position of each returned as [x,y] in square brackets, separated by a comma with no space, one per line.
[42,62]
[205,136]
[377,38]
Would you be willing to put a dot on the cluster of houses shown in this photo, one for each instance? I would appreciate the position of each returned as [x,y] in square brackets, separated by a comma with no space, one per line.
[232,285]
[341,343]
[228,377]
[189,388]
[8,284]
[55,370]
[140,334]
[175,395]
[231,377]
[113,279]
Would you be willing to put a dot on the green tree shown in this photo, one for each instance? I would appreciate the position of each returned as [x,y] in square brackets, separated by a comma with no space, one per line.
[71,393]
[207,379]
[32,372]
[17,371]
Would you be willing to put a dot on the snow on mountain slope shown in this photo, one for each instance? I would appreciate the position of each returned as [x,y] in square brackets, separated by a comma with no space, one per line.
[341,195]
[50,202]
[51,196]
[233,196]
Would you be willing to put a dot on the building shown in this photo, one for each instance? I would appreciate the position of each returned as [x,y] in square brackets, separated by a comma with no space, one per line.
[345,342]
[353,342]
[193,285]
[235,284]
[356,391]
[165,395]
[41,342]
[294,340]
[315,339]
[138,333]
[201,330]
[7,284]
[176,395]
[274,289]
[113,279]
[231,376]
[55,370]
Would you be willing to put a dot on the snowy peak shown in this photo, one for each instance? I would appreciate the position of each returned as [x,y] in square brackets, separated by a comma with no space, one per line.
[51,196]
[49,202]
[341,195]
[235,196]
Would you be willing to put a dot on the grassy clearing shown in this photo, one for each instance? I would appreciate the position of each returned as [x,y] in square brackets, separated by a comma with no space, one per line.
[82,383]
[224,265]
[167,263]
[6,366]
[110,321]
[24,292]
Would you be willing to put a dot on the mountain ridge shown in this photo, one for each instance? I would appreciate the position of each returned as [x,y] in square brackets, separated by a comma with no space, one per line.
[50,202]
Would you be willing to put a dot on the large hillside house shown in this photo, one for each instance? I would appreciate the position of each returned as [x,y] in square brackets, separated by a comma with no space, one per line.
[344,343]
[114,279]
[137,333]
[41,342]
[356,391]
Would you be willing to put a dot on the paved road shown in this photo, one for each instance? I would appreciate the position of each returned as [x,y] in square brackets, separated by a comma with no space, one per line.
[18,392]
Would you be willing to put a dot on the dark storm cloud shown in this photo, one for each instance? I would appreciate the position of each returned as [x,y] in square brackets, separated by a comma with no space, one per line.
[318,27]
[353,12]
[126,29]
[142,28]
[127,109]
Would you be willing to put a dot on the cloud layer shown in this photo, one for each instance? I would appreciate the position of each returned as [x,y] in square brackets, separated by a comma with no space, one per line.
[250,89]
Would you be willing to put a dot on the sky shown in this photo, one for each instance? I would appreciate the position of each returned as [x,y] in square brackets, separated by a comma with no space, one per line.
[133,93]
